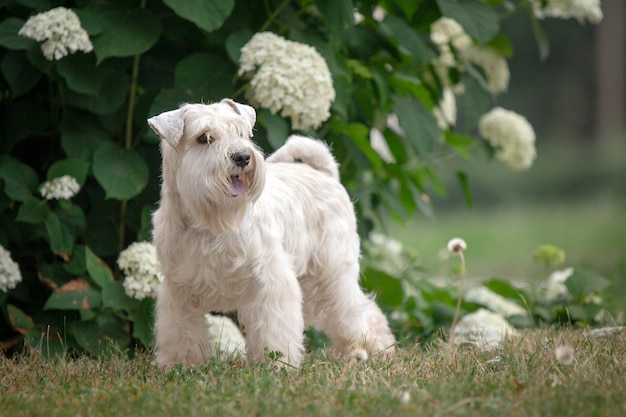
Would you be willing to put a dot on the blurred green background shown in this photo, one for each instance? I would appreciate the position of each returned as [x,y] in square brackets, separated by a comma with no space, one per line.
[574,196]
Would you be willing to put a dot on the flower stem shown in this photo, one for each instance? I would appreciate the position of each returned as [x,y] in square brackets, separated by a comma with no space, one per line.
[457,310]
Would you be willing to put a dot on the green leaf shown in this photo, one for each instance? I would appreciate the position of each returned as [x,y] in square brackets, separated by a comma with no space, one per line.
[235,42]
[203,76]
[338,15]
[33,211]
[461,143]
[86,298]
[410,40]
[277,128]
[111,96]
[82,75]
[9,37]
[145,229]
[121,172]
[418,123]
[582,283]
[408,7]
[22,119]
[76,265]
[19,73]
[125,31]
[143,322]
[502,45]
[207,15]
[507,290]
[100,335]
[388,289]
[20,180]
[20,321]
[474,102]
[99,271]
[114,297]
[64,225]
[480,21]
[75,167]
[359,135]
[464,183]
[80,136]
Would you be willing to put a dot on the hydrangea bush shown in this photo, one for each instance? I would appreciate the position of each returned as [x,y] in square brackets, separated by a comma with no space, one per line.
[382,81]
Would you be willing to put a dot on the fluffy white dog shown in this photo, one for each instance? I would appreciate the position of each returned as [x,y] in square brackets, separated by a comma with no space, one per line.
[274,239]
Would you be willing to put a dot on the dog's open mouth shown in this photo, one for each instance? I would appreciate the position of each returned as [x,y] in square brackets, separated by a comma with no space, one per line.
[237,185]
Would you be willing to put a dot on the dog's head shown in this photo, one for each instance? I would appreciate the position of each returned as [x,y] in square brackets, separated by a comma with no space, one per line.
[210,161]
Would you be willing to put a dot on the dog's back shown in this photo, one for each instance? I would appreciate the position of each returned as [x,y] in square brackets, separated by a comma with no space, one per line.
[312,152]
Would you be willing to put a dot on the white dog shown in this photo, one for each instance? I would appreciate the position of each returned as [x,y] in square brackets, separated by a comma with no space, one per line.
[274,239]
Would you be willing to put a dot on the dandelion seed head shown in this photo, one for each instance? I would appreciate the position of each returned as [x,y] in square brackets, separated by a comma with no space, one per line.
[456,245]
[564,355]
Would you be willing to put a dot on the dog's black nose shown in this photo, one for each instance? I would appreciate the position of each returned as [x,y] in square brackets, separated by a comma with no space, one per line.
[240,158]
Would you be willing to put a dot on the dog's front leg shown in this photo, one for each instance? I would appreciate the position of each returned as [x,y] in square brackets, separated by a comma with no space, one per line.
[272,315]
[180,328]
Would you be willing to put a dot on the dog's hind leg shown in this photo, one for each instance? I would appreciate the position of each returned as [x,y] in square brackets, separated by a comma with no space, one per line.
[181,330]
[350,317]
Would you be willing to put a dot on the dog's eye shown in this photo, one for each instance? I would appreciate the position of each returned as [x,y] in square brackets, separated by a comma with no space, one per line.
[205,138]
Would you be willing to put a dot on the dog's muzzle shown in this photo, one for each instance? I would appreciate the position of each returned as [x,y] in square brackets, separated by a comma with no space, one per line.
[240,158]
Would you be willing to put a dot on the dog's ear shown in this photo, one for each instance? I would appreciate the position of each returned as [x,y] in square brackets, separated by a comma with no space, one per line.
[242,109]
[169,126]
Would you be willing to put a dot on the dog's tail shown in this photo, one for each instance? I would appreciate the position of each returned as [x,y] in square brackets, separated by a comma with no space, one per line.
[312,152]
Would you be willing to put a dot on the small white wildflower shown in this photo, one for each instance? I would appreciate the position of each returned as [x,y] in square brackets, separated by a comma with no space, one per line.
[494,302]
[61,31]
[141,269]
[379,144]
[456,245]
[564,355]
[288,76]
[511,135]
[378,14]
[60,188]
[445,112]
[403,397]
[225,336]
[581,10]
[484,329]
[359,354]
[10,274]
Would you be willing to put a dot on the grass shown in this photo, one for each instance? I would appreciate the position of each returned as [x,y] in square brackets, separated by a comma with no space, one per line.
[523,378]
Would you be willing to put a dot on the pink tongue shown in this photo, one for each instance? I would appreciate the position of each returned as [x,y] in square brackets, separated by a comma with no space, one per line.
[236,187]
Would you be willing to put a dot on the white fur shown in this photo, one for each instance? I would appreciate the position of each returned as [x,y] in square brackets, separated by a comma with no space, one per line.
[283,253]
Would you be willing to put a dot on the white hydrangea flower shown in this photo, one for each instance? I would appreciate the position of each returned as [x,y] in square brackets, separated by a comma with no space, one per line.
[446,33]
[484,329]
[495,67]
[10,274]
[445,112]
[288,76]
[511,135]
[554,287]
[494,302]
[61,33]
[141,269]
[581,10]
[225,335]
[60,188]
